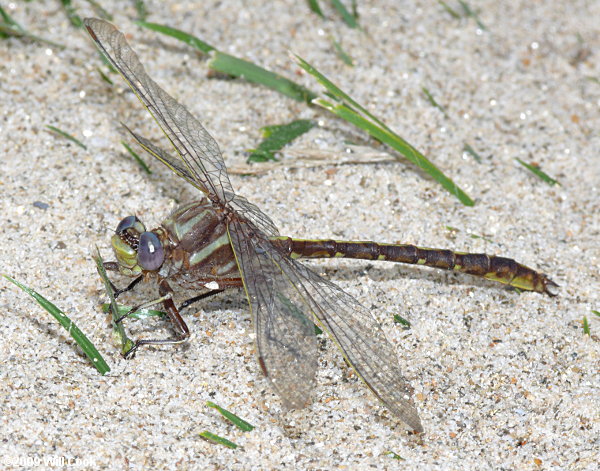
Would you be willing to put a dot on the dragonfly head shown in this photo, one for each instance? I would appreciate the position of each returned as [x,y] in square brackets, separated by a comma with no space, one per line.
[136,249]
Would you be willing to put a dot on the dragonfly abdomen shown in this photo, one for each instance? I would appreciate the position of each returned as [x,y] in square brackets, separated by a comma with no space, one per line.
[501,269]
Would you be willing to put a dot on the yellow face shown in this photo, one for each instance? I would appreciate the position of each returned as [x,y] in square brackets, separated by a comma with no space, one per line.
[126,257]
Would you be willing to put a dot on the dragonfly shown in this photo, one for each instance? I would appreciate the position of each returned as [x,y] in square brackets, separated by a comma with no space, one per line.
[222,241]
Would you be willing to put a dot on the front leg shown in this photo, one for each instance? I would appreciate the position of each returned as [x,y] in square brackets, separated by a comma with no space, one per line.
[114,266]
[182,331]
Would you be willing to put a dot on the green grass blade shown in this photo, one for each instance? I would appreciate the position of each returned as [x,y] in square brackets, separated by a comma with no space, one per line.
[586,326]
[348,17]
[71,12]
[276,137]
[434,103]
[137,158]
[234,419]
[126,343]
[469,150]
[452,12]
[142,11]
[178,34]
[139,315]
[9,27]
[211,437]
[88,347]
[395,456]
[104,77]
[315,7]
[399,144]
[66,136]
[597,313]
[470,13]
[402,321]
[230,65]
[343,55]
[538,172]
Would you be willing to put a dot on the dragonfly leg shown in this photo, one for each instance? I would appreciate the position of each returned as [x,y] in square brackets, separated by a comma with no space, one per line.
[210,293]
[114,266]
[182,331]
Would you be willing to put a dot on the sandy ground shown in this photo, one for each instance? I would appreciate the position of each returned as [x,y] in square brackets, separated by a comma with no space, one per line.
[502,380]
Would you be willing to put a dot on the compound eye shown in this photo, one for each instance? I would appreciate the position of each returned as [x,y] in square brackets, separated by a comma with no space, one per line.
[130,222]
[151,254]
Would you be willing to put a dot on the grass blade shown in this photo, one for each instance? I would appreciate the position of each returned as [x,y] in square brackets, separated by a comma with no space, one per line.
[538,172]
[66,136]
[71,12]
[434,103]
[470,13]
[9,27]
[88,347]
[402,321]
[126,343]
[343,55]
[178,34]
[141,314]
[236,67]
[349,111]
[452,12]
[100,10]
[278,136]
[586,326]
[399,144]
[137,158]
[230,65]
[348,17]
[234,419]
[142,11]
[315,7]
[211,437]
[469,150]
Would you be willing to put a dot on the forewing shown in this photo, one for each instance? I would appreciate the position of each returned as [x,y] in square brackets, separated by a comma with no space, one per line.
[198,151]
[285,337]
[266,272]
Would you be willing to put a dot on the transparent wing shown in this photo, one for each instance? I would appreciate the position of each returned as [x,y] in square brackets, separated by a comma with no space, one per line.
[273,281]
[199,153]
[285,336]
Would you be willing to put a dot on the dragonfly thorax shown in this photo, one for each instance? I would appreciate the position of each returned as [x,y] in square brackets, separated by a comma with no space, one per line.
[136,249]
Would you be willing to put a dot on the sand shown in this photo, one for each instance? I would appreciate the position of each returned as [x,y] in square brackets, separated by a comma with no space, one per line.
[502,380]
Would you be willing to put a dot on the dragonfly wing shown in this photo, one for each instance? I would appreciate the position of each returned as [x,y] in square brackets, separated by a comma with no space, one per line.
[285,336]
[267,272]
[198,151]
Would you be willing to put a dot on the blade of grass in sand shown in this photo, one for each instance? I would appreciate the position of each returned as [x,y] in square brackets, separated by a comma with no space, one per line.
[71,12]
[66,136]
[278,136]
[126,343]
[137,158]
[9,27]
[348,17]
[470,13]
[343,55]
[586,326]
[354,113]
[402,321]
[452,12]
[141,314]
[88,347]
[469,150]
[433,102]
[211,437]
[236,67]
[142,11]
[234,419]
[315,7]
[538,172]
